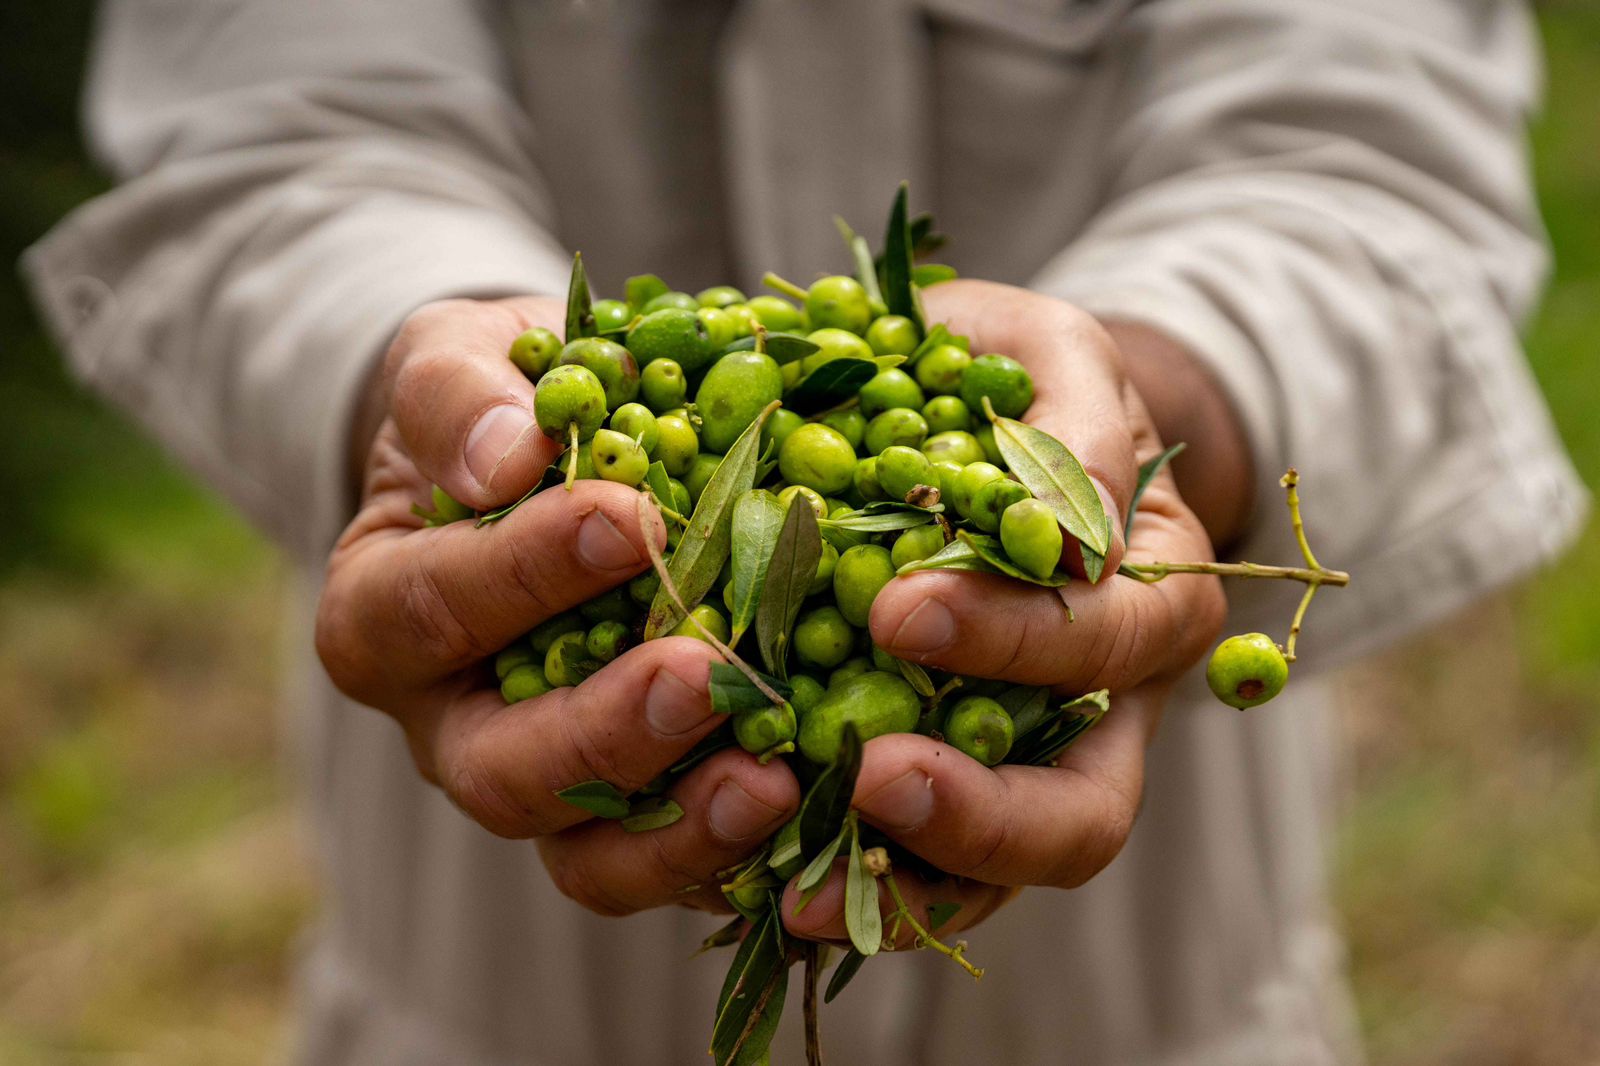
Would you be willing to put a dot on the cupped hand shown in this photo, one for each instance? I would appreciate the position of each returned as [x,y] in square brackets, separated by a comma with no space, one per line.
[1000,829]
[410,617]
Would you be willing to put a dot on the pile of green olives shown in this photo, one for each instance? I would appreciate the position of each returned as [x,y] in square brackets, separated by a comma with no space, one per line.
[668,383]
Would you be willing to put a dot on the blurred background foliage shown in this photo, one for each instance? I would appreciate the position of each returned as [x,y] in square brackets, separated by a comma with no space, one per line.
[152,879]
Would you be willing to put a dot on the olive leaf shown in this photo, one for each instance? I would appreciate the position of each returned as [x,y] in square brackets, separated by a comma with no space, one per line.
[881,521]
[641,289]
[790,571]
[827,385]
[785,844]
[599,798]
[863,918]
[1058,731]
[732,692]
[723,937]
[940,913]
[930,274]
[752,994]
[1053,474]
[757,520]
[580,315]
[1026,704]
[659,483]
[899,294]
[866,266]
[917,678]
[815,875]
[957,555]
[658,812]
[576,660]
[782,347]
[848,967]
[989,550]
[827,801]
[489,517]
[1094,563]
[1147,473]
[708,746]
[937,336]
[705,544]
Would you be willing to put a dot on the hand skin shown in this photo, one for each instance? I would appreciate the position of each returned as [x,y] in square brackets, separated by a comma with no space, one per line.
[1013,826]
[411,616]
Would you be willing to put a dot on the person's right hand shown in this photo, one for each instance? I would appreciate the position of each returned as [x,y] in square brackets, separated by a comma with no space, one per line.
[410,617]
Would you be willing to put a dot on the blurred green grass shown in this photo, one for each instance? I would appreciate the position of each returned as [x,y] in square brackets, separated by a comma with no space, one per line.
[148,892]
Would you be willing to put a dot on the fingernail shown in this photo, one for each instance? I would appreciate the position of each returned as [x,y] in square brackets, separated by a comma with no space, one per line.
[930,627]
[673,706]
[904,803]
[602,546]
[735,814]
[499,429]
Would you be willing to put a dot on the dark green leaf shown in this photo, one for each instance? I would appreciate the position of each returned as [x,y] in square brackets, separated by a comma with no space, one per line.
[580,315]
[929,274]
[990,551]
[782,347]
[829,384]
[826,803]
[599,798]
[1053,474]
[940,913]
[785,845]
[1026,704]
[575,658]
[705,544]
[897,507]
[1094,564]
[898,294]
[863,918]
[732,692]
[887,362]
[866,266]
[757,519]
[842,973]
[1059,730]
[1147,473]
[924,241]
[655,813]
[751,992]
[790,571]
[723,937]
[815,875]
[641,289]
[494,516]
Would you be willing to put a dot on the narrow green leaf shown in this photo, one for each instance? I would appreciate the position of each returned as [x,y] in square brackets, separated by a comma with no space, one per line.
[1043,743]
[580,315]
[883,522]
[989,550]
[827,802]
[1053,474]
[1026,704]
[866,265]
[957,555]
[1094,564]
[782,347]
[863,918]
[599,798]
[924,241]
[887,362]
[647,814]
[790,570]
[848,967]
[927,275]
[489,517]
[706,543]
[641,289]
[829,384]
[917,678]
[1147,473]
[656,479]
[750,990]
[785,845]
[815,875]
[757,520]
[898,293]
[733,693]
[940,913]
[723,937]
[938,335]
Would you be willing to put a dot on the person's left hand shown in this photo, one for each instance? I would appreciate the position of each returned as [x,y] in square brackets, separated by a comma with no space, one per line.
[1000,829]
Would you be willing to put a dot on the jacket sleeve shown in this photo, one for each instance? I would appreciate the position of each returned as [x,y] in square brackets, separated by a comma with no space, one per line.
[295,178]
[1328,202]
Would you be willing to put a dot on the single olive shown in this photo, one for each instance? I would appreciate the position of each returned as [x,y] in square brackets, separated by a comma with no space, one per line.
[534,350]
[518,654]
[805,692]
[973,477]
[901,469]
[866,481]
[941,369]
[662,385]
[775,313]
[722,329]
[672,333]
[980,727]
[734,391]
[860,576]
[1003,380]
[827,563]
[568,661]
[586,470]
[447,507]
[611,363]
[709,617]
[765,728]
[898,425]
[893,335]
[634,421]
[719,296]
[819,506]
[545,633]
[890,388]
[838,302]
[606,640]
[991,501]
[849,668]
[991,450]
[680,301]
[524,682]
[1031,536]
[822,638]
[946,473]
[612,605]
[642,589]
[678,444]
[1247,670]
[569,395]
[916,544]
[955,446]
[833,344]
[744,319]
[776,429]
[682,502]
[851,424]
[792,373]
[876,703]
[618,457]
[699,476]
[946,413]
[611,315]
[818,457]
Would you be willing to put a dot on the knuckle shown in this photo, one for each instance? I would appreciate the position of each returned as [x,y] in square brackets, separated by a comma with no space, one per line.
[1103,839]
[479,793]
[535,574]
[589,758]
[576,881]
[991,845]
[427,612]
[673,873]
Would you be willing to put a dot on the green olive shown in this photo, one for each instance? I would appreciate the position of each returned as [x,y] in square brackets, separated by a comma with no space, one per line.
[610,315]
[699,476]
[567,662]
[1247,670]
[916,544]
[827,563]
[569,395]
[819,506]
[805,693]
[610,362]
[448,508]
[838,302]
[822,638]
[678,444]
[818,457]
[545,633]
[719,296]
[851,424]
[1031,536]
[744,319]
[898,425]
[672,333]
[849,668]
[534,350]
[946,413]
[973,477]
[1003,380]
[860,576]
[775,313]
[991,501]
[606,640]
[634,421]
[612,605]
[980,727]
[901,469]
[518,654]
[524,682]
[946,473]
[680,301]
[834,344]
[734,391]
[893,335]
[941,369]
[890,388]
[618,457]
[876,703]
[662,385]
[642,589]
[865,480]
[779,424]
[991,450]
[765,728]
[709,617]
[722,329]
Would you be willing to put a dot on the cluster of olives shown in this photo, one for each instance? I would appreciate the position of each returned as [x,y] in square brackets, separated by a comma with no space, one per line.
[624,397]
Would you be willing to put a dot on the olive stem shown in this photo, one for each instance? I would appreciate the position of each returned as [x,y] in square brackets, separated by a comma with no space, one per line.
[1150,573]
[813,1028]
[761,338]
[773,752]
[1299,616]
[572,453]
[1290,481]
[783,285]
[926,939]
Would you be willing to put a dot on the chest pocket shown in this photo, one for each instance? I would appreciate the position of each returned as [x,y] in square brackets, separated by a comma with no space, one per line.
[1012,127]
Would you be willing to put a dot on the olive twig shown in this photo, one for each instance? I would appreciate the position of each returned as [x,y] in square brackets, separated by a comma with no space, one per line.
[572,455]
[813,1030]
[783,285]
[926,939]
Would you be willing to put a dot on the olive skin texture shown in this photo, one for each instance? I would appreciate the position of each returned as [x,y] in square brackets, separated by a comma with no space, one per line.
[617,457]
[851,424]
[775,313]
[699,476]
[806,693]
[893,335]
[991,501]
[1247,670]
[677,444]
[606,641]
[779,424]
[822,638]
[891,388]
[916,544]
[545,633]
[865,480]
[980,727]
[610,362]
[991,450]
[947,472]
[569,395]
[955,446]
[901,469]
[1003,380]
[876,703]
[534,350]
[898,425]
[849,668]
[940,370]
[838,302]
[827,562]
[1031,536]
[973,477]
[642,589]
[669,301]
[672,333]
[818,457]
[722,329]
[518,654]
[559,668]
[734,391]
[765,728]
[834,344]
[709,617]
[860,576]
[525,682]
[946,413]
[662,385]
[634,420]
[610,315]
[719,296]
[818,505]
[612,605]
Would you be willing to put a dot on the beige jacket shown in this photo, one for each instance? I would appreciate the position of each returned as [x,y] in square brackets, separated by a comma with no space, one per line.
[1326,200]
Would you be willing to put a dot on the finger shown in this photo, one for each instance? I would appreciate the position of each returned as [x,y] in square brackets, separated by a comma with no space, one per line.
[624,726]
[731,803]
[400,612]
[1119,632]
[823,917]
[1014,825]
[463,409]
